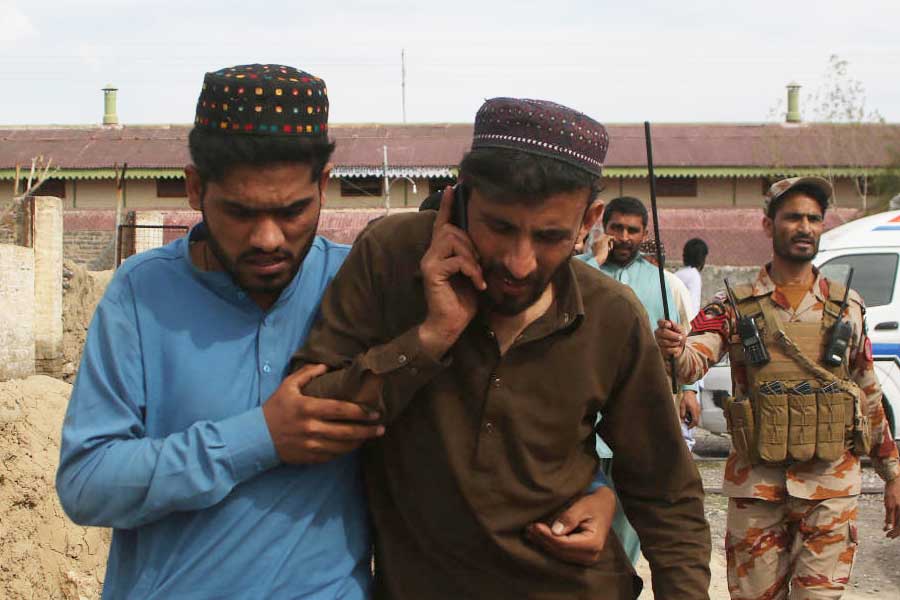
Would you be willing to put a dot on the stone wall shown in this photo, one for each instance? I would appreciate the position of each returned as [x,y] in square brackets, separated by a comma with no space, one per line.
[16,312]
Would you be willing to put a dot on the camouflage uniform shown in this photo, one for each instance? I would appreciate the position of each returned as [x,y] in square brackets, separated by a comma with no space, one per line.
[792,523]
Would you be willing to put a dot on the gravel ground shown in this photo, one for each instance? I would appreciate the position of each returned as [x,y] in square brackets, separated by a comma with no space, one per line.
[876,573]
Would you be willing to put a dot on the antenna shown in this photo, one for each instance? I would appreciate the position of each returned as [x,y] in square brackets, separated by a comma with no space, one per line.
[403,81]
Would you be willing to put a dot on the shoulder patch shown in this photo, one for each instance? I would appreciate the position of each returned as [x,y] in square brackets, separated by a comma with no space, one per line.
[713,318]
[865,356]
[714,308]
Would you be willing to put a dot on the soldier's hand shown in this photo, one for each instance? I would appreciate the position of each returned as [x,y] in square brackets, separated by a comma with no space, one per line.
[308,430]
[452,278]
[579,534]
[670,337]
[689,408]
[892,508]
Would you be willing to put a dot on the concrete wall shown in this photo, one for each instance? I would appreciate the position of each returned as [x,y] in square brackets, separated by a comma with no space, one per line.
[721,192]
[16,312]
[402,196]
[713,278]
[48,259]
[718,193]
[138,194]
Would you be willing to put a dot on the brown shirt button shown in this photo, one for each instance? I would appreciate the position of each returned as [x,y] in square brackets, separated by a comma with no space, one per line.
[489,427]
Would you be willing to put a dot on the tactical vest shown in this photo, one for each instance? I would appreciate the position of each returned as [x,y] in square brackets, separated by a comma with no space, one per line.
[797,408]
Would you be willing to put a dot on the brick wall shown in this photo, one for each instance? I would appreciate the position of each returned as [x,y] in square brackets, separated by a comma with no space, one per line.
[16,312]
[89,238]
[93,249]
[735,236]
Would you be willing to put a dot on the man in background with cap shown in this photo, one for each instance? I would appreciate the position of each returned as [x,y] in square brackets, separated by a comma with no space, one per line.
[803,412]
[490,352]
[219,480]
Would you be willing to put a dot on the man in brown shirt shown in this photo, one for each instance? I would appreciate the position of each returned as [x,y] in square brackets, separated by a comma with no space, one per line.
[489,354]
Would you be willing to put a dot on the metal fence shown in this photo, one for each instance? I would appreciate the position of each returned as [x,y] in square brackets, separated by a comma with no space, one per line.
[138,238]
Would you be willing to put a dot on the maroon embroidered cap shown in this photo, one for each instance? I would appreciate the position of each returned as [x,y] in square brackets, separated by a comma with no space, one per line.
[542,128]
[263,99]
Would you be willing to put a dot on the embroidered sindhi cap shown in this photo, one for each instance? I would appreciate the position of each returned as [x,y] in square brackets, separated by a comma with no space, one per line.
[780,188]
[263,99]
[542,128]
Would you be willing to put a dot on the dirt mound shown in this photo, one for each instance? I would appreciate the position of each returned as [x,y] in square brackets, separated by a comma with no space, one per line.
[82,290]
[42,553]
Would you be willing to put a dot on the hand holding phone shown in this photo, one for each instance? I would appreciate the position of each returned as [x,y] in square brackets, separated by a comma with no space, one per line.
[452,278]
[460,213]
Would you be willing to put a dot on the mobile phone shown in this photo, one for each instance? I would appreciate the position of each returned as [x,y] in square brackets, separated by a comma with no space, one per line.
[459,216]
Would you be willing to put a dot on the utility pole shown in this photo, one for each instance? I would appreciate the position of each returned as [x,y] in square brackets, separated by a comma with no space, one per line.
[403,81]
[387,185]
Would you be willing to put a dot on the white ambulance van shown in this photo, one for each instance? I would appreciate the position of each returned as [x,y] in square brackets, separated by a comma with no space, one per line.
[871,246]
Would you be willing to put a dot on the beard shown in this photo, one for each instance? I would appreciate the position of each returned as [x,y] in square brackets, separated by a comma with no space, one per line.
[783,248]
[238,269]
[622,253]
[533,287]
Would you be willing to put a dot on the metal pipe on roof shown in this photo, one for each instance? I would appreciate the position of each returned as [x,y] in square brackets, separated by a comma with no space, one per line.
[110,112]
[793,109]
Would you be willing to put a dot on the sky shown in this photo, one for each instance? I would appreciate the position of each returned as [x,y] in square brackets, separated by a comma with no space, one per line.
[663,61]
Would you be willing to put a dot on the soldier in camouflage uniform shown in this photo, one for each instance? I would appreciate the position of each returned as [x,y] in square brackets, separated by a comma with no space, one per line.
[798,423]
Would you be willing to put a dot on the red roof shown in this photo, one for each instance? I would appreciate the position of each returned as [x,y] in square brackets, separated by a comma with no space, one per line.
[442,145]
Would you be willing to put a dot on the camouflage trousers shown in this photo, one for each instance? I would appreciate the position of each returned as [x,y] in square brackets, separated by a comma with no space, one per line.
[796,548]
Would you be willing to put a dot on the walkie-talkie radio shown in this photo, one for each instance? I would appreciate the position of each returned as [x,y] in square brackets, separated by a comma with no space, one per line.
[754,349]
[840,333]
